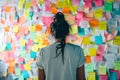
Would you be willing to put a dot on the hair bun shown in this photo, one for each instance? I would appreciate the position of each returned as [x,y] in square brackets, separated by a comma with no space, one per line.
[59,17]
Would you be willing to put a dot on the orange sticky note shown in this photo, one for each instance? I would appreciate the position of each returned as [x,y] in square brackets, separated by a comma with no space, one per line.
[7,29]
[66,10]
[88,59]
[94,23]
[10,69]
[54,10]
[45,42]
[38,27]
[8,9]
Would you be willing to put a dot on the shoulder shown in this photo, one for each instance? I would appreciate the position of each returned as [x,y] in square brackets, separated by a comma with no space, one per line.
[74,46]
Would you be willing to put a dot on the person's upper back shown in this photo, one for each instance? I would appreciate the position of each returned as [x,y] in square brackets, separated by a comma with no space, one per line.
[54,67]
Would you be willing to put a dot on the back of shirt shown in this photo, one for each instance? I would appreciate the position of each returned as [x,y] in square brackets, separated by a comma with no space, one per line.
[54,67]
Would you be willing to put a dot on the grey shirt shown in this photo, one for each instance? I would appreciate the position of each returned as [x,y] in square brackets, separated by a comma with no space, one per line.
[53,66]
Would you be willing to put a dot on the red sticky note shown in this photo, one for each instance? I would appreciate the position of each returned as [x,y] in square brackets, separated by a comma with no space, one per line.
[80,15]
[103,77]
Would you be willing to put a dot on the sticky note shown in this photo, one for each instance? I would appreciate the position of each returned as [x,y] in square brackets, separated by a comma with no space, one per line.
[113,76]
[108,6]
[73,9]
[22,53]
[22,42]
[102,70]
[76,2]
[98,58]
[32,35]
[25,74]
[7,29]
[92,51]
[89,67]
[61,4]
[88,59]
[54,10]
[28,4]
[38,27]
[8,46]
[81,31]
[18,72]
[10,69]
[15,29]
[98,2]
[66,10]
[91,76]
[74,29]
[103,77]
[20,4]
[102,25]
[88,4]
[117,65]
[41,1]
[8,9]
[8,38]
[27,66]
[94,23]
[98,39]
[86,40]
[98,13]
[116,40]
[109,0]
[80,15]
[35,48]
[33,54]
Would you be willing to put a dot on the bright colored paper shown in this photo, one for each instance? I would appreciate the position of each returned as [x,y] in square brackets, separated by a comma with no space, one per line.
[89,67]
[98,13]
[74,29]
[92,51]
[98,39]
[102,70]
[117,65]
[107,6]
[91,76]
[86,40]
[102,25]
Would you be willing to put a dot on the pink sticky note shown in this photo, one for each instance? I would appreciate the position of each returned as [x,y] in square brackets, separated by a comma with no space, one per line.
[47,7]
[30,42]
[103,77]
[98,58]
[88,4]
[22,67]
[20,59]
[101,49]
[98,2]
[76,2]
[80,15]
[110,36]
[47,20]
[34,2]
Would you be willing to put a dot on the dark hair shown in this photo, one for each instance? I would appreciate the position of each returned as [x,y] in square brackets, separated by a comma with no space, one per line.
[60,29]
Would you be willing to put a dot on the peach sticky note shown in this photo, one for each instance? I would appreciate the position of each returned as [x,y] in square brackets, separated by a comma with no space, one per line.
[54,10]
[94,23]
[66,10]
[88,59]
[92,51]
[8,9]
[38,27]
[7,29]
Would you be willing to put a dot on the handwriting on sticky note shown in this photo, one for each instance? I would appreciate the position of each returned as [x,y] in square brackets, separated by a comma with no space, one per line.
[98,2]
[102,25]
[102,70]
[117,65]
[107,6]
[116,40]
[89,67]
[91,76]
[86,40]
[98,13]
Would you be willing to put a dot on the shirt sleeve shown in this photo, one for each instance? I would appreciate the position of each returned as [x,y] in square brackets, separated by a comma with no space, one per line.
[40,60]
[81,58]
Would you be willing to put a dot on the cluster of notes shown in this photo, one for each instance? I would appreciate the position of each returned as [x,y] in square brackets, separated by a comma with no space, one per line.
[95,26]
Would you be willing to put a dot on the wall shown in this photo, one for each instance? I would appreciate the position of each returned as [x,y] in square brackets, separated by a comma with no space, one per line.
[24,30]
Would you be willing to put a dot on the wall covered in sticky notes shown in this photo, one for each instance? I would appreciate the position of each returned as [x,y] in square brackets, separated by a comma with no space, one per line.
[95,26]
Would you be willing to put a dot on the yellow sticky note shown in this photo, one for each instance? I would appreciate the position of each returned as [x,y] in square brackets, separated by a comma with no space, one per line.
[20,4]
[91,76]
[116,40]
[35,48]
[73,9]
[109,0]
[41,1]
[102,25]
[86,40]
[98,13]
[61,4]
[32,28]
[37,39]
[26,13]
[22,42]
[27,67]
[28,4]
[74,29]
[102,70]
[15,29]
[92,51]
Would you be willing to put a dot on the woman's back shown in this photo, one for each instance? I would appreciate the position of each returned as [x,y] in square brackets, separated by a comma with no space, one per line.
[53,66]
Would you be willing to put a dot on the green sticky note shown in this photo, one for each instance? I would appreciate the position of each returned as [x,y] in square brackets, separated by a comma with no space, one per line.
[32,35]
[22,53]
[102,70]
[89,67]
[117,65]
[18,72]
[108,6]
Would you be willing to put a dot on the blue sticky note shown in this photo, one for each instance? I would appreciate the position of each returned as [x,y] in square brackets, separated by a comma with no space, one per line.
[81,31]
[98,39]
[25,74]
[113,76]
[33,54]
[8,46]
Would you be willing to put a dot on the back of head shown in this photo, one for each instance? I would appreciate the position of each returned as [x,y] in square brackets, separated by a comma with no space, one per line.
[59,27]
